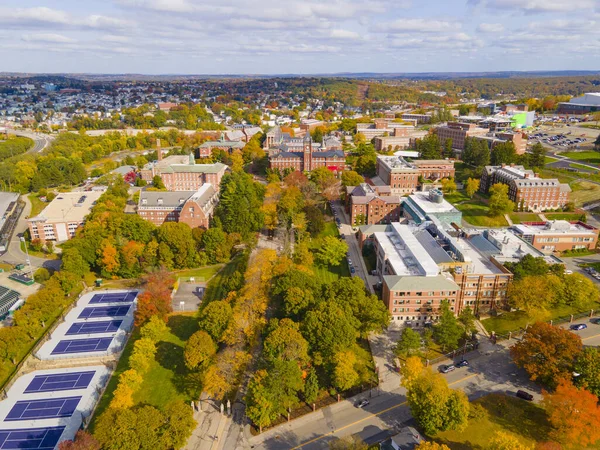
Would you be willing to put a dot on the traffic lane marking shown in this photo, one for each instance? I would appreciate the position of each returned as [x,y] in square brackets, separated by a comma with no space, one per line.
[590,337]
[371,416]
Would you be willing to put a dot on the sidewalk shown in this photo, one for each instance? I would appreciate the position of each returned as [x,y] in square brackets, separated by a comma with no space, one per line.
[205,436]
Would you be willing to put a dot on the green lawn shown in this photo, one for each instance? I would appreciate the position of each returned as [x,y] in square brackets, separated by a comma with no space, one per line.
[564,216]
[215,290]
[513,321]
[201,274]
[580,166]
[584,192]
[525,420]
[476,214]
[550,159]
[168,379]
[577,253]
[36,205]
[328,274]
[589,157]
[524,217]
[456,197]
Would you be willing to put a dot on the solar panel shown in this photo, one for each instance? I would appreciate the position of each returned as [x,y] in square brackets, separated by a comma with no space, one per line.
[33,438]
[110,326]
[121,297]
[82,346]
[43,409]
[104,311]
[60,382]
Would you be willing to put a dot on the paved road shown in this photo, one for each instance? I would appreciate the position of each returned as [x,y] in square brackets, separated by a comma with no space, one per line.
[41,141]
[574,262]
[491,370]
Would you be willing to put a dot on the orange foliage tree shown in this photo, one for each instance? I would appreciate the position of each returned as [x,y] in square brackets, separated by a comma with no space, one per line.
[83,441]
[574,414]
[156,298]
[547,353]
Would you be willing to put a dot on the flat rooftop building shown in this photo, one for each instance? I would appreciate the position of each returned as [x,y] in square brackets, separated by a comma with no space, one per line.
[63,215]
[422,206]
[557,235]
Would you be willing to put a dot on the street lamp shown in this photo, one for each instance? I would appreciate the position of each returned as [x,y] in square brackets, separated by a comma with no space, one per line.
[28,259]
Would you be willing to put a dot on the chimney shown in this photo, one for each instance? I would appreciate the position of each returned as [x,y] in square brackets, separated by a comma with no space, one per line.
[512,164]
[537,175]
[158,150]
[503,165]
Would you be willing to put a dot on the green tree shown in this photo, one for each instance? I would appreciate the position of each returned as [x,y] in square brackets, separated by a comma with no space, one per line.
[73,262]
[447,332]
[261,408]
[311,386]
[199,350]
[157,182]
[178,238]
[328,329]
[332,251]
[534,294]
[472,186]
[214,242]
[285,342]
[537,157]
[215,318]
[155,329]
[503,153]
[41,275]
[429,147]
[476,152]
[351,178]
[240,201]
[448,150]
[467,319]
[578,291]
[409,343]
[499,202]
[344,374]
[587,367]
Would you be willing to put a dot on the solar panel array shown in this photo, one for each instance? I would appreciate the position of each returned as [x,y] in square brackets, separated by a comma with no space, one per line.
[110,326]
[43,409]
[60,382]
[82,346]
[34,438]
[121,297]
[104,311]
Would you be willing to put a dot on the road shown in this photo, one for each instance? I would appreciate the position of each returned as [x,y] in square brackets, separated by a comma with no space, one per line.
[574,262]
[41,141]
[491,370]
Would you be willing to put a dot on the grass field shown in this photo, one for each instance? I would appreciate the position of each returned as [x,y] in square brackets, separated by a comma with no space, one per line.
[513,321]
[549,159]
[456,197]
[327,274]
[563,216]
[36,205]
[168,379]
[476,214]
[215,289]
[524,217]
[580,166]
[589,157]
[525,420]
[202,273]
[584,192]
[577,253]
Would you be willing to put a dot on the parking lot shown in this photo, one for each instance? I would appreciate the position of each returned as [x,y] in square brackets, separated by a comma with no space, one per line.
[564,140]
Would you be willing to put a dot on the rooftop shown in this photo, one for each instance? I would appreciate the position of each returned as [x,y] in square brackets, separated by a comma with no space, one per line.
[153,199]
[396,163]
[195,168]
[421,199]
[69,207]
[554,227]
[505,246]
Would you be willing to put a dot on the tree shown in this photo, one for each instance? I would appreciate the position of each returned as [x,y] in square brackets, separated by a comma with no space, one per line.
[537,157]
[158,184]
[73,262]
[409,343]
[448,185]
[344,374]
[476,152]
[503,153]
[533,294]
[472,186]
[199,350]
[178,237]
[329,330]
[285,342]
[155,329]
[588,368]
[351,178]
[41,275]
[156,298]
[502,440]
[109,258]
[83,441]
[315,220]
[311,386]
[597,143]
[322,177]
[467,319]
[448,331]
[547,353]
[448,150]
[215,318]
[578,291]
[499,202]
[142,356]
[429,147]
[261,409]
[411,371]
[332,251]
[348,443]
[574,415]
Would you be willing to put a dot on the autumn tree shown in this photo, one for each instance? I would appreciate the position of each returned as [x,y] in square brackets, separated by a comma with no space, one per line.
[285,342]
[331,251]
[472,186]
[547,353]
[534,295]
[448,185]
[108,258]
[83,441]
[156,298]
[344,374]
[142,356]
[351,178]
[199,350]
[501,440]
[431,445]
[499,202]
[155,329]
[573,414]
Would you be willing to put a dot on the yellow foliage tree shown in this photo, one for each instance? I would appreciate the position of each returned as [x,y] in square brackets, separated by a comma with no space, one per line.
[502,440]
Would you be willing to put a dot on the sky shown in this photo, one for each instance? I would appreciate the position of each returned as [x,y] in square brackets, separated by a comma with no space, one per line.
[297,36]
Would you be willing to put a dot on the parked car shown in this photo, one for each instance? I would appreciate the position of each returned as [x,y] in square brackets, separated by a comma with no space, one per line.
[595,320]
[462,363]
[352,270]
[578,326]
[447,368]
[524,395]
[362,403]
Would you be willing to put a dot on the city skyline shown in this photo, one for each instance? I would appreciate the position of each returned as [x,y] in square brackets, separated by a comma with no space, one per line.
[264,37]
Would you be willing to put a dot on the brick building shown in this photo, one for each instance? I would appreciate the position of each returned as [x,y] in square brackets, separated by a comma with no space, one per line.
[205,150]
[63,216]
[557,235]
[516,138]
[305,155]
[192,207]
[458,132]
[381,127]
[372,205]
[526,188]
[403,176]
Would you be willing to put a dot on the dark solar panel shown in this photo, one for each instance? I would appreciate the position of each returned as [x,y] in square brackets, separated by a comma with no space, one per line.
[110,326]
[43,409]
[33,438]
[104,311]
[82,346]
[121,297]
[60,382]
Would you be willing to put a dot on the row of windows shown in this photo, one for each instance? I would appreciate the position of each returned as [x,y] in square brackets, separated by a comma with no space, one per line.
[420,294]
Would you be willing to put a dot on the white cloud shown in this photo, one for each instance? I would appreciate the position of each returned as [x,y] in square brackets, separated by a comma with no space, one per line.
[420,26]
[42,17]
[48,37]
[344,34]
[490,28]
[533,6]
[576,26]
[115,38]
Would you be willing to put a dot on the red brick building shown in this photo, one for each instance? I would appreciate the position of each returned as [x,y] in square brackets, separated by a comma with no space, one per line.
[369,205]
[558,235]
[192,207]
[304,155]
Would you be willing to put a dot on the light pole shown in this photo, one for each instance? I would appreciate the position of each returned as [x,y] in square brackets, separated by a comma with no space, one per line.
[28,259]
